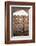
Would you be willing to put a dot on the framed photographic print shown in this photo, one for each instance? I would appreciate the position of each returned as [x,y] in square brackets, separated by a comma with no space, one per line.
[19,22]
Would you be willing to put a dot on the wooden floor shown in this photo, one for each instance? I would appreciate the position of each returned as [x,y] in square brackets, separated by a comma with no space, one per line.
[21,33]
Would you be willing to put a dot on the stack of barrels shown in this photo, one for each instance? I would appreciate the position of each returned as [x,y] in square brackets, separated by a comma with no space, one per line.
[20,23]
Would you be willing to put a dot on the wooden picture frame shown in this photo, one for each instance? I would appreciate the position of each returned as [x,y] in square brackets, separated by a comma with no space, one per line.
[7,22]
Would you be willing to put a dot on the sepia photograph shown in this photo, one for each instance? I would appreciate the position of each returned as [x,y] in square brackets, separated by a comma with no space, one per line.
[20,21]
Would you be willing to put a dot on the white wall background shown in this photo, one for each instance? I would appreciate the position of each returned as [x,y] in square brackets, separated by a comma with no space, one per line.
[2,24]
